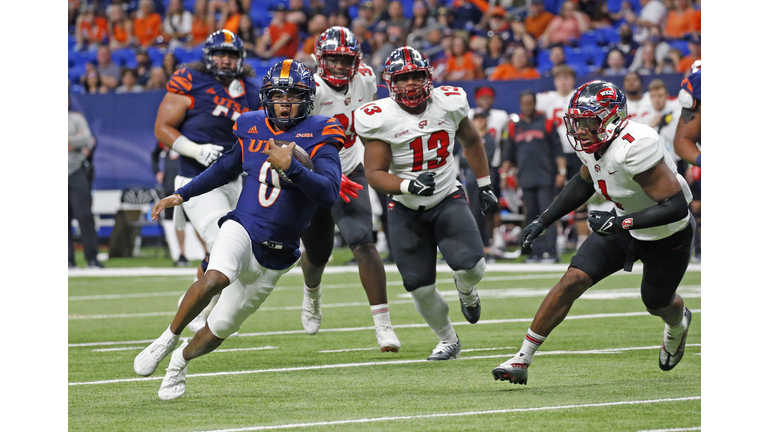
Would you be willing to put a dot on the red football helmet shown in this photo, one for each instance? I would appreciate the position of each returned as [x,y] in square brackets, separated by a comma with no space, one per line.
[405,60]
[337,41]
[597,108]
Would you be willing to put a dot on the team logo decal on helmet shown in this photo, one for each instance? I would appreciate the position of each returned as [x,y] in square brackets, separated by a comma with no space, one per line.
[223,40]
[291,82]
[597,109]
[406,60]
[337,41]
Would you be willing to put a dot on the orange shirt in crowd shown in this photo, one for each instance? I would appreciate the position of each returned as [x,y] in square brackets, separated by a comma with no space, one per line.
[289,28]
[681,22]
[506,72]
[95,31]
[200,31]
[147,29]
[464,70]
[309,45]
[537,25]
[686,63]
[119,33]
[232,23]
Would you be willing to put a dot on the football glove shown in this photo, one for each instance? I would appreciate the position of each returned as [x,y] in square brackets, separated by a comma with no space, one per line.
[208,153]
[348,188]
[531,232]
[424,185]
[488,201]
[603,222]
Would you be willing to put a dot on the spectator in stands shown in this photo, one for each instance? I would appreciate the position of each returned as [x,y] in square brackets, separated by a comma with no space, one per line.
[170,63]
[201,23]
[615,63]
[91,29]
[397,19]
[538,18]
[445,17]
[365,12]
[317,25]
[229,14]
[651,15]
[280,39]
[382,46]
[521,37]
[80,143]
[380,12]
[565,27]
[670,61]
[120,28]
[128,82]
[360,27]
[91,81]
[655,43]
[248,35]
[639,105]
[495,20]
[108,70]
[598,13]
[694,46]
[534,150]
[496,48]
[466,14]
[664,118]
[147,24]
[177,25]
[556,57]
[518,68]
[422,21]
[648,65]
[298,15]
[681,19]
[431,45]
[157,79]
[143,66]
[462,65]
[626,44]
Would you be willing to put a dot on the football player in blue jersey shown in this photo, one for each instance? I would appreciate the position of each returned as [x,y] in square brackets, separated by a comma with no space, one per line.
[258,241]
[195,118]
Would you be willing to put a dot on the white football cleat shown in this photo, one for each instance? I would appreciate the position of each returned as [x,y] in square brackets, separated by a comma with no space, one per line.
[388,341]
[514,370]
[146,362]
[175,382]
[446,351]
[310,311]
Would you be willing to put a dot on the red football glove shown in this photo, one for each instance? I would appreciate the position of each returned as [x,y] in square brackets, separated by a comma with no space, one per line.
[348,188]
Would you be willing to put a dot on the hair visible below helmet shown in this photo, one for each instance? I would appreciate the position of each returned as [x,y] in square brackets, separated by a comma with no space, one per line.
[337,40]
[599,108]
[404,60]
[282,77]
[223,40]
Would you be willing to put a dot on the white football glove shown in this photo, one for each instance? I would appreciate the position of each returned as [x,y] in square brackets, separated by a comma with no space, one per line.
[205,154]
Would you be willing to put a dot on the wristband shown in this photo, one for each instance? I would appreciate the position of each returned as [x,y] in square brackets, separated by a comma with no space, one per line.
[698,160]
[404,187]
[185,147]
[484,181]
[562,171]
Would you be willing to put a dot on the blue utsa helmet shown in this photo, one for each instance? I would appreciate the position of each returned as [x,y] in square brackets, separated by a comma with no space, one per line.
[291,83]
[337,41]
[223,40]
[405,60]
[690,89]
[597,108]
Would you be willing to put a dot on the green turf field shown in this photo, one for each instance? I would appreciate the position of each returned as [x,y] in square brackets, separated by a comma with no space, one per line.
[597,371]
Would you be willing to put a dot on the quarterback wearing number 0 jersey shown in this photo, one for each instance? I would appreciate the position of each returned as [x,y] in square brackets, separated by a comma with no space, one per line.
[419,142]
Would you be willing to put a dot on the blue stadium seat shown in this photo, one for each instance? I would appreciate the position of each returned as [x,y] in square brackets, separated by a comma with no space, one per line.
[260,14]
[608,35]
[681,45]
[577,56]
[156,55]
[588,38]
[581,69]
[543,58]
[595,54]
[188,55]
[124,57]
[75,72]
[82,57]
[614,5]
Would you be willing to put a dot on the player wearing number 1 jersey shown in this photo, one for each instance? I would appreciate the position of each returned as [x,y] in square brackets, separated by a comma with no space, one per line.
[409,139]
[626,163]
[343,85]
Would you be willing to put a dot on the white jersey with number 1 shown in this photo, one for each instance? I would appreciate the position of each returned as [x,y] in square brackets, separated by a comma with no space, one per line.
[420,143]
[329,102]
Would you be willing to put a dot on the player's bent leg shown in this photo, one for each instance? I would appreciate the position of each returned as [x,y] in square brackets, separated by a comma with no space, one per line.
[174,383]
[432,306]
[469,299]
[318,246]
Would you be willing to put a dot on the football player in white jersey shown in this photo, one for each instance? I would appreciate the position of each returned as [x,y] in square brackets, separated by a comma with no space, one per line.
[409,139]
[639,107]
[554,104]
[626,163]
[664,117]
[343,85]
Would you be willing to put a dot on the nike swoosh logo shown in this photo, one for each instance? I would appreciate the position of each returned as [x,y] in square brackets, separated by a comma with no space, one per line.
[361,99]
[612,172]
[441,122]
[456,196]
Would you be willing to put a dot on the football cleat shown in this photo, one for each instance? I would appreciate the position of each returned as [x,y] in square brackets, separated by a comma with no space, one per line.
[470,303]
[388,341]
[446,351]
[175,382]
[310,312]
[667,361]
[146,362]
[514,370]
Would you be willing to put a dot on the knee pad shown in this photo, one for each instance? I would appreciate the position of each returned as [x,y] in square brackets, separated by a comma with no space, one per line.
[429,301]
[471,277]
[222,328]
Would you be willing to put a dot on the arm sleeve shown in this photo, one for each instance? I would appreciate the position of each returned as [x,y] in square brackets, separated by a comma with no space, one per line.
[321,186]
[225,169]
[575,193]
[670,210]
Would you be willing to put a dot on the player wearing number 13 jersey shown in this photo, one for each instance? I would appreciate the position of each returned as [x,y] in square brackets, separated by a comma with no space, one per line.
[409,141]
[343,85]
[626,163]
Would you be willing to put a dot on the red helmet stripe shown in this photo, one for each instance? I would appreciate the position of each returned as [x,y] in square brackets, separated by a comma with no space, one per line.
[342,37]
[407,53]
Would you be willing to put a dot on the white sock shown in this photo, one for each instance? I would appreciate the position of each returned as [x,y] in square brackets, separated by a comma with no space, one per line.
[531,343]
[313,292]
[380,314]
[434,309]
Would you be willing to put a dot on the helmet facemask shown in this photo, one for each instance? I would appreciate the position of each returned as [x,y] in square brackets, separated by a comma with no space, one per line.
[338,68]
[287,106]
[410,95]
[600,127]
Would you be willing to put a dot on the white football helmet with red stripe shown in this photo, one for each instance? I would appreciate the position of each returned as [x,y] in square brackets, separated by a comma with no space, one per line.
[337,41]
[406,60]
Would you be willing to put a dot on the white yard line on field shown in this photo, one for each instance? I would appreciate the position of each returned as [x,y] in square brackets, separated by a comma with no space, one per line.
[695,428]
[459,414]
[374,363]
[349,329]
